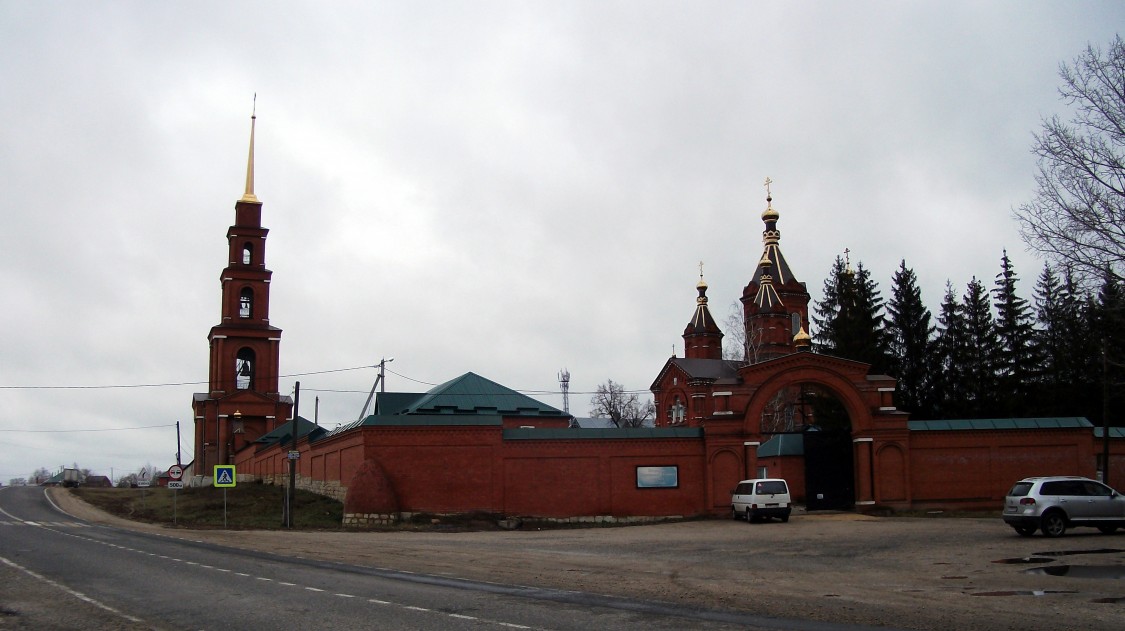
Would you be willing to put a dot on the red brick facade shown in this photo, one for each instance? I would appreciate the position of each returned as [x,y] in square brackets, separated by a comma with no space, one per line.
[708,436]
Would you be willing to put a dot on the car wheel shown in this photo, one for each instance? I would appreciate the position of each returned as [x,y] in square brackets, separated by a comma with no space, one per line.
[734,513]
[1108,530]
[785,519]
[1053,524]
[749,516]
[1026,531]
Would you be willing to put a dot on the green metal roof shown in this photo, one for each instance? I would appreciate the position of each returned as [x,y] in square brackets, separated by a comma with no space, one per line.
[1064,422]
[1114,432]
[472,394]
[283,433]
[424,420]
[782,445]
[395,402]
[575,433]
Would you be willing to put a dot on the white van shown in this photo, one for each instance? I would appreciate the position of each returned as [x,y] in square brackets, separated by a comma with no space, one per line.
[761,499]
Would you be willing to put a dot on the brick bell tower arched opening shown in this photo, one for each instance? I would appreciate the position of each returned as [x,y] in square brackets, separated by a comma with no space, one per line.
[242,401]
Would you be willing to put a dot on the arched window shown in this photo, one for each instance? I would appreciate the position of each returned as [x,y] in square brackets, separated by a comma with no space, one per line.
[244,369]
[677,412]
[245,302]
[247,254]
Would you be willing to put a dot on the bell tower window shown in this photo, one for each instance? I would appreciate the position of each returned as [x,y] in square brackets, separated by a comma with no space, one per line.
[245,302]
[677,412]
[247,254]
[244,369]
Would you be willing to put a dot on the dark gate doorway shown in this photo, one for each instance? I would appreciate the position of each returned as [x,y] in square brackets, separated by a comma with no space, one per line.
[829,470]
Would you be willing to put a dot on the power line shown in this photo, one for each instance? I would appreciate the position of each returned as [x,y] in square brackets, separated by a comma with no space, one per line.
[296,374]
[72,431]
[165,385]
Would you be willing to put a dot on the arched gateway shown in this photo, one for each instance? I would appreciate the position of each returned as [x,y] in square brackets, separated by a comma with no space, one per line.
[845,417]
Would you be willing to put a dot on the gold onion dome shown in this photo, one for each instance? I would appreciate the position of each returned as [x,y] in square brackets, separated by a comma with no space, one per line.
[802,339]
[769,214]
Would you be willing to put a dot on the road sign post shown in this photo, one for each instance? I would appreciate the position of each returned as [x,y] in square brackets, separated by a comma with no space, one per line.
[225,478]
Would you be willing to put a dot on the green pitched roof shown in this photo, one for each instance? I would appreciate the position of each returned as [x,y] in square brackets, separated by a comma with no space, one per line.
[1066,422]
[472,394]
[283,433]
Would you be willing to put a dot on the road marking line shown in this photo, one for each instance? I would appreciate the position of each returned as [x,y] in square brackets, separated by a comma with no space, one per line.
[262,578]
[313,589]
[413,608]
[242,573]
[462,616]
[286,584]
[345,595]
[378,602]
[512,625]
[76,594]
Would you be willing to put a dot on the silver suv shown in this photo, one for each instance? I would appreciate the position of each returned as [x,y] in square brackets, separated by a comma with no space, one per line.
[1053,504]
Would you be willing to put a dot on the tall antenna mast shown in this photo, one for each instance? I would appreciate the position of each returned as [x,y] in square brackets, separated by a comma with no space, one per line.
[564,384]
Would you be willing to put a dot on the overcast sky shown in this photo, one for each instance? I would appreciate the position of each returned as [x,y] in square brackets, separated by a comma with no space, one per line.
[504,188]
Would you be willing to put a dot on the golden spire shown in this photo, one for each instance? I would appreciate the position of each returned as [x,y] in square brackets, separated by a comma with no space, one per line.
[249,196]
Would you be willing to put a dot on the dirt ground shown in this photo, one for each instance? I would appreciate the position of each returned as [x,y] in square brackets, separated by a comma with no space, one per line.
[913,573]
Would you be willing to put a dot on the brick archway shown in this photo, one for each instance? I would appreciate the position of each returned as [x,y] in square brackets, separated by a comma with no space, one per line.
[868,400]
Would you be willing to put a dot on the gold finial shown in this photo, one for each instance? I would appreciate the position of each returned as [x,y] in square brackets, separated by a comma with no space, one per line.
[848,262]
[249,196]
[769,214]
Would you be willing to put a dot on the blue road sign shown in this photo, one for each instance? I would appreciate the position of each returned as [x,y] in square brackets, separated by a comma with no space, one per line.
[224,475]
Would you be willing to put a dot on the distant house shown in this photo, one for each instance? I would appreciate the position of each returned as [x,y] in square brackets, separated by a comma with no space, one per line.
[98,481]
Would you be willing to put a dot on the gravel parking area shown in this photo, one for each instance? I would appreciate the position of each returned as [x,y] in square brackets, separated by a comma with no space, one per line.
[912,573]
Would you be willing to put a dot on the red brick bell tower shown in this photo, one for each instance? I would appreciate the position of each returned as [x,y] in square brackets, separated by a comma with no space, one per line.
[242,401]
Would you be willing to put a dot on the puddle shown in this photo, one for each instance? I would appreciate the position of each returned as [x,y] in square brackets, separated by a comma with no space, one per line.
[1081,571]
[1026,560]
[1109,601]
[1063,553]
[1034,592]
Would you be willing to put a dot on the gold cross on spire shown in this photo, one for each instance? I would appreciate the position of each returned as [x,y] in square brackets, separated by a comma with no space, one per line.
[701,270]
[767,185]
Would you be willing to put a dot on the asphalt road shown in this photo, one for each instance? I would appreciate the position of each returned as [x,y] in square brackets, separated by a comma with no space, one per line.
[58,572]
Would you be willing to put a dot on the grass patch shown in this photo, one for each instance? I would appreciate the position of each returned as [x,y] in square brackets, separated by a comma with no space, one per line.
[248,506]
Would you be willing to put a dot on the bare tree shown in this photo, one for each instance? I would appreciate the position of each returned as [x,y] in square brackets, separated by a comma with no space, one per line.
[1077,216]
[741,343]
[622,408]
[40,475]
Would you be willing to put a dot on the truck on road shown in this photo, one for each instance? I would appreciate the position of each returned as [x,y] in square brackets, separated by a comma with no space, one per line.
[71,477]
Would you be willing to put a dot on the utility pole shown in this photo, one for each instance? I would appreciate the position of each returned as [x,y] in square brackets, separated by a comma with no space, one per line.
[1105,412]
[379,384]
[178,459]
[293,461]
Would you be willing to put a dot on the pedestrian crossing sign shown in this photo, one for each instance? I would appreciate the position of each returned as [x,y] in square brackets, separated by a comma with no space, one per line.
[224,475]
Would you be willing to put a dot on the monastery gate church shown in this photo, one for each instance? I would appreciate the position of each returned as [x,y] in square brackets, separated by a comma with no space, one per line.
[470,444]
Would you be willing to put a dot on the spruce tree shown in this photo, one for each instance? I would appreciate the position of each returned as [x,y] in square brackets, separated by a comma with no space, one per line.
[1052,342]
[982,351]
[827,313]
[950,381]
[1015,361]
[849,319]
[910,340]
[1110,336]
